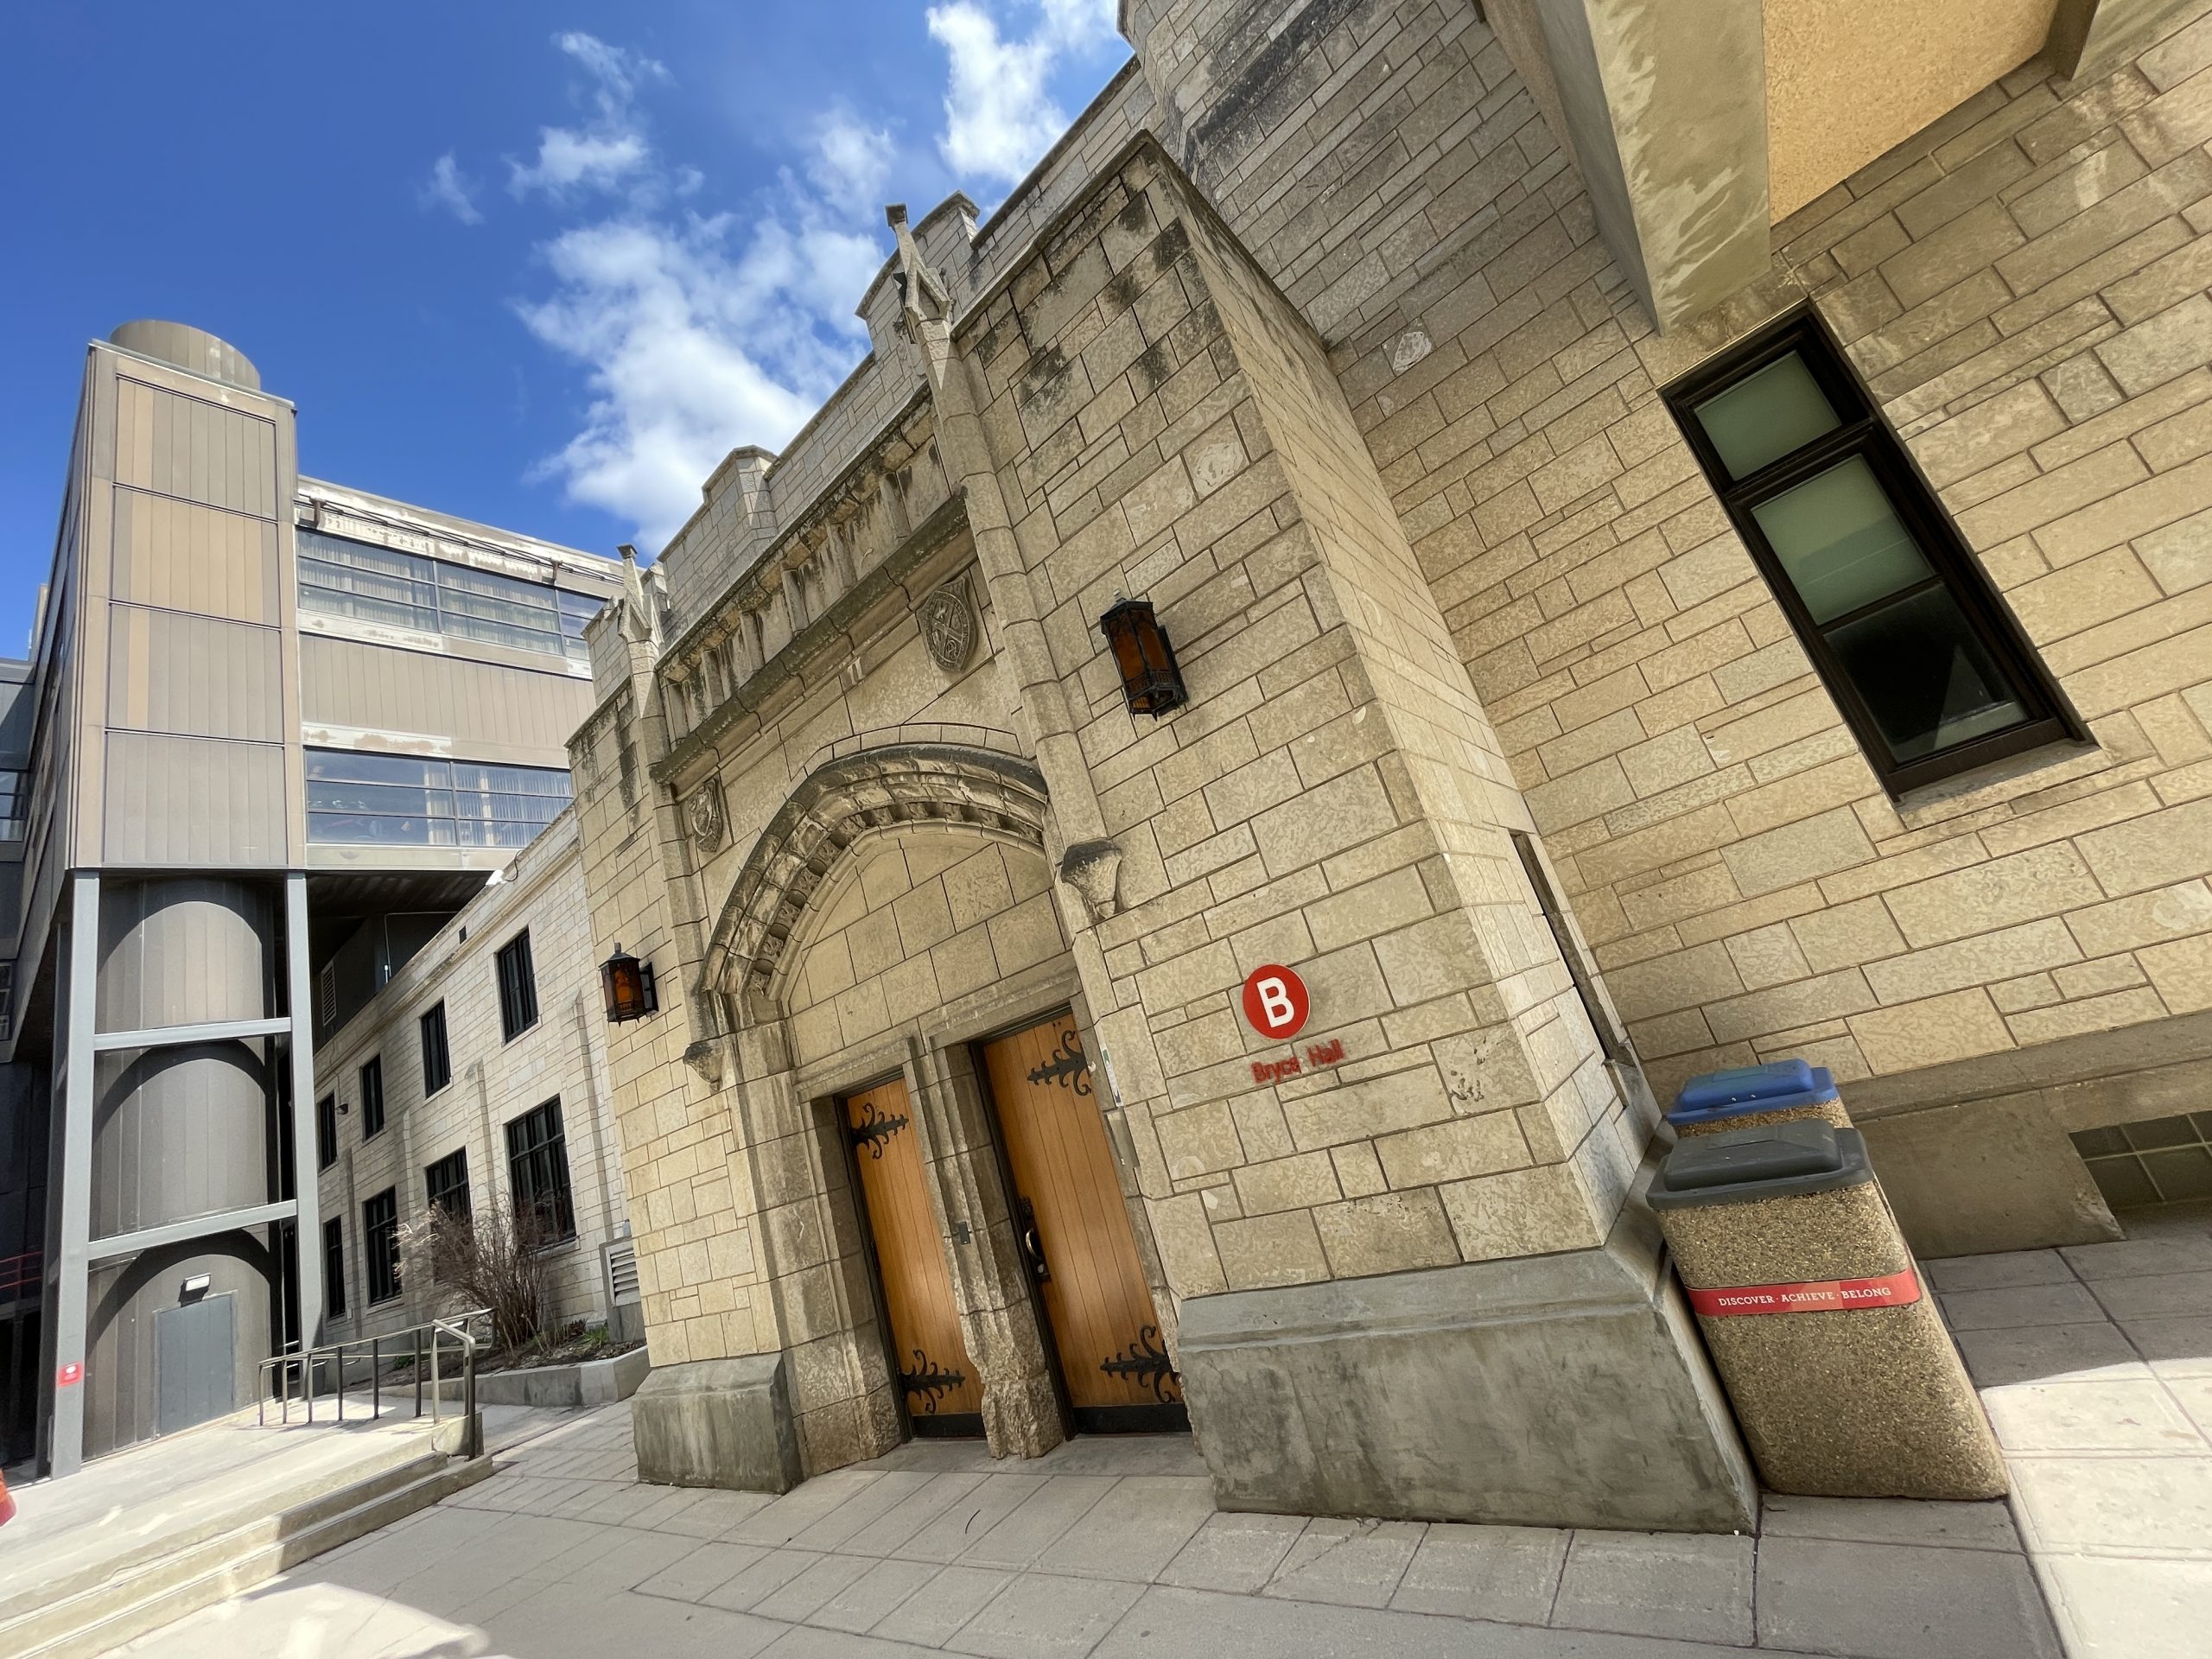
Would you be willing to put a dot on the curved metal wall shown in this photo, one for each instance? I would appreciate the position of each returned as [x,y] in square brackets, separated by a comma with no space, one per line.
[178,1132]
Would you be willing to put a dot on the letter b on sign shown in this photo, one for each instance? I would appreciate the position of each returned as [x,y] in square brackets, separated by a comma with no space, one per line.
[1275,1003]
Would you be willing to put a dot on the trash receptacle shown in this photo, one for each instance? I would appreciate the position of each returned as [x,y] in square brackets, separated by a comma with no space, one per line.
[1844,1378]
[1750,1097]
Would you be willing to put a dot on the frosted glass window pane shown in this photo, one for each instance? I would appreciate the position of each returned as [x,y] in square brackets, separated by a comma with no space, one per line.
[1840,540]
[1924,675]
[1765,416]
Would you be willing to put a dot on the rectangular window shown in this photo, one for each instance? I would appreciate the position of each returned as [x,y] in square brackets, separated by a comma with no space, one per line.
[517,987]
[1610,1041]
[358,797]
[537,1170]
[334,1266]
[372,1097]
[445,1184]
[326,1132]
[382,585]
[14,802]
[437,1064]
[380,1237]
[1920,654]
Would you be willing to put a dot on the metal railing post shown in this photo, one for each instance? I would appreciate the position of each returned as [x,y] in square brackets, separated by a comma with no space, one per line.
[376,1378]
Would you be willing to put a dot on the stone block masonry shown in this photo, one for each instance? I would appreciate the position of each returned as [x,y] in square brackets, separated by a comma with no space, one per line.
[2023,287]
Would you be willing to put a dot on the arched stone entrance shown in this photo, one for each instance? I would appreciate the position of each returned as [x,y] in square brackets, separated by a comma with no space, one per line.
[896,912]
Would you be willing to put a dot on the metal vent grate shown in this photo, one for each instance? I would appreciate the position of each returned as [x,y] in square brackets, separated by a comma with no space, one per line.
[622,1273]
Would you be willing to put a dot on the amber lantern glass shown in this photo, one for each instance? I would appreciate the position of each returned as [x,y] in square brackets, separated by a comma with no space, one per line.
[1144,656]
[628,985]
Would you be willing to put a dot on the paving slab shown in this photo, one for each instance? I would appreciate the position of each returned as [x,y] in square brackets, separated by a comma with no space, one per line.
[1039,1615]
[1133,1530]
[1167,1619]
[881,1589]
[1079,1553]
[1696,1586]
[1890,1520]
[2028,1353]
[1030,1528]
[2105,1425]
[1509,1573]
[1900,1601]
[1354,1563]
[939,1608]
[1236,1553]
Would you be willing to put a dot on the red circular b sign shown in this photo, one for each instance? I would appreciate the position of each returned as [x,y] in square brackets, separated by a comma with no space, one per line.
[1275,1003]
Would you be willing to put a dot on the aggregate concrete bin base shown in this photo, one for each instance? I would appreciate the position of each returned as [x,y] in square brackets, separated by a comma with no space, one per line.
[1843,1377]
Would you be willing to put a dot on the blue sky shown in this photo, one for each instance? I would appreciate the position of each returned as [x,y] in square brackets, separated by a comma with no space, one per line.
[537,265]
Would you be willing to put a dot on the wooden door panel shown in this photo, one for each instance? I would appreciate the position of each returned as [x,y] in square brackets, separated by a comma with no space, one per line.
[1096,1298]
[943,1391]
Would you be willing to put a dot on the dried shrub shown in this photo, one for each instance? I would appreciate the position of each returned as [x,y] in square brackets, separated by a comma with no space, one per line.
[496,1261]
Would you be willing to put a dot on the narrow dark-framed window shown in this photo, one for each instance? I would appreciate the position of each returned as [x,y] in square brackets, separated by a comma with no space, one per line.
[517,987]
[437,1063]
[537,1170]
[1921,655]
[1610,1039]
[334,1266]
[372,1096]
[445,1184]
[326,1132]
[381,1238]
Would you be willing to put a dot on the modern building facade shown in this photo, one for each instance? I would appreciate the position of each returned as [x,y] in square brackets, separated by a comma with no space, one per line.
[476,1079]
[1682,532]
[272,732]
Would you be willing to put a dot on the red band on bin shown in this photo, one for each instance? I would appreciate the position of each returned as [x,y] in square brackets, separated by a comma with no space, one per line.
[1820,1296]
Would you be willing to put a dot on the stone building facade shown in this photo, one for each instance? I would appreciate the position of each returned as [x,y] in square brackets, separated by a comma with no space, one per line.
[501,1090]
[1366,339]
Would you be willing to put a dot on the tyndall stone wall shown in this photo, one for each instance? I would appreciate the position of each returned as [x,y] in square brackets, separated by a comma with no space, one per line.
[2023,287]
[1331,797]
[1370,416]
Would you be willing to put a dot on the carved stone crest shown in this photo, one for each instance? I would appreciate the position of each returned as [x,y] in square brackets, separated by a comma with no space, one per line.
[948,625]
[702,815]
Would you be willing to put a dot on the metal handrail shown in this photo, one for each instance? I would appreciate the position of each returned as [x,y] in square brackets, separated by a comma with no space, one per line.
[424,1341]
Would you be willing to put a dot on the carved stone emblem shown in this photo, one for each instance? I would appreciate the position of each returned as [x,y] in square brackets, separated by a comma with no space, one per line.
[947,626]
[702,814]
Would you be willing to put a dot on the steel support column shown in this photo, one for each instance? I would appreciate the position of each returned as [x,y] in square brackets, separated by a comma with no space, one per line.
[308,1226]
[81,970]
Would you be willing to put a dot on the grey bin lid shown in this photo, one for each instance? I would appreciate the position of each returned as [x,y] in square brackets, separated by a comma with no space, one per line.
[1777,1160]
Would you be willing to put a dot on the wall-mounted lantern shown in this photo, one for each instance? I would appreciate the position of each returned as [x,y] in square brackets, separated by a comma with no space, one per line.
[628,984]
[1146,658]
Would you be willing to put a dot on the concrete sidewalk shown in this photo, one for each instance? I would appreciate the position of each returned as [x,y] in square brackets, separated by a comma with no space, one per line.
[2096,1365]
[1108,1547]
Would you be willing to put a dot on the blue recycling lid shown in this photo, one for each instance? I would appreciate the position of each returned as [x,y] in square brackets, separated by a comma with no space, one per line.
[1713,1097]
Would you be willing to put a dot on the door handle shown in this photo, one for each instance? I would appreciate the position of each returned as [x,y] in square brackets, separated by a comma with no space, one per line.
[1032,1247]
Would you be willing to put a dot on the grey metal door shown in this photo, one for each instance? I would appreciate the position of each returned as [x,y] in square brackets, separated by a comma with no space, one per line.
[195,1362]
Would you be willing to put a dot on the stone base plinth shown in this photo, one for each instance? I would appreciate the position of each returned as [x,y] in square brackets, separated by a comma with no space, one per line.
[1567,1390]
[718,1422]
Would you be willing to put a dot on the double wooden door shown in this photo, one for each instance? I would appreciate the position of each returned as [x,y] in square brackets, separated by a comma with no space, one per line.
[1074,1231]
[944,1393]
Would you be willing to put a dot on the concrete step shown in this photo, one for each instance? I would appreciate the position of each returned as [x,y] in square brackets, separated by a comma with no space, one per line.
[126,1605]
[37,1585]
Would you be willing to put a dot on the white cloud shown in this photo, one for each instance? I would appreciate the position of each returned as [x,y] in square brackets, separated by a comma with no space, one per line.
[696,332]
[567,158]
[674,330]
[1000,118]
[850,162]
[610,148]
[447,189]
